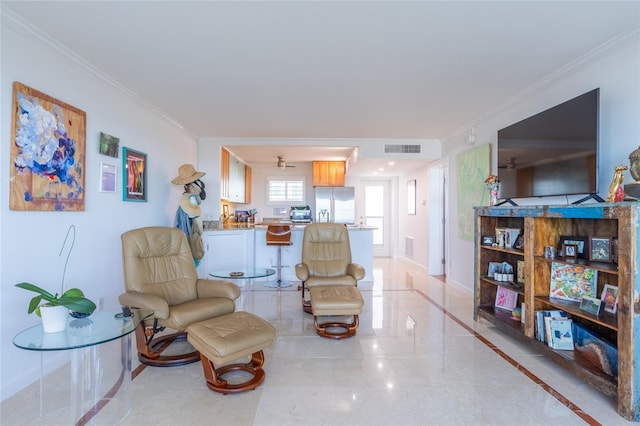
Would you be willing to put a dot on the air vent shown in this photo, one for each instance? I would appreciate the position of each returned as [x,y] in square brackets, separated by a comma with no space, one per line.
[402,149]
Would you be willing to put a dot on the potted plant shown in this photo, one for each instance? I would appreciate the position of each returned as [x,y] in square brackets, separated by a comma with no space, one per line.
[53,308]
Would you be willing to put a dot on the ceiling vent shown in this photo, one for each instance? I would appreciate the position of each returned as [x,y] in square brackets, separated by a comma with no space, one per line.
[402,149]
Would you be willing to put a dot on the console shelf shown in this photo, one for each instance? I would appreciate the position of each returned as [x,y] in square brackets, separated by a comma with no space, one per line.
[543,226]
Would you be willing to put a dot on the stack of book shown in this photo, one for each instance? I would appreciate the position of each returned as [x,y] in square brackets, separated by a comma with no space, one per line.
[554,328]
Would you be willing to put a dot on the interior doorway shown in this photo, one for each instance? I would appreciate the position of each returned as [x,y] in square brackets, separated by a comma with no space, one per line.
[377,210]
[436,264]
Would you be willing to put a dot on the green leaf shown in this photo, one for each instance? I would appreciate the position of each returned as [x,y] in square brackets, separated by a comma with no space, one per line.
[77,304]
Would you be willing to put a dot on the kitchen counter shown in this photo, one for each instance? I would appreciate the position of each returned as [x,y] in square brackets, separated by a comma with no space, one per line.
[294,227]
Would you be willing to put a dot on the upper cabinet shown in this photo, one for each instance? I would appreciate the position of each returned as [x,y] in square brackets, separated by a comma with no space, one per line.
[233,179]
[328,173]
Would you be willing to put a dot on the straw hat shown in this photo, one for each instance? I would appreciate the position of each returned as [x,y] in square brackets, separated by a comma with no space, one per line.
[187,174]
[190,203]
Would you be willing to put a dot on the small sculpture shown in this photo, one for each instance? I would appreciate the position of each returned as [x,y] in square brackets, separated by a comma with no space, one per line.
[632,190]
[616,189]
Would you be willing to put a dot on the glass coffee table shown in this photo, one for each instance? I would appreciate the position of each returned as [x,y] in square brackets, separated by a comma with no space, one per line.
[244,274]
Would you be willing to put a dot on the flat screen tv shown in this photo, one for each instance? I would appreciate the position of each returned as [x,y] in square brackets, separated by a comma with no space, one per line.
[554,152]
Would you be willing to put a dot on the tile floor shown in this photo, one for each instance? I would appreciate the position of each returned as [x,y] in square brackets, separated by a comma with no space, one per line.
[418,359]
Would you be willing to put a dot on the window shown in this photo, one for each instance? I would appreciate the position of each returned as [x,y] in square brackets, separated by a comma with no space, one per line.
[281,190]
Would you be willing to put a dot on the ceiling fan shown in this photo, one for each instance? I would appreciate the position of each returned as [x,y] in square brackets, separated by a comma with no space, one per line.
[282,162]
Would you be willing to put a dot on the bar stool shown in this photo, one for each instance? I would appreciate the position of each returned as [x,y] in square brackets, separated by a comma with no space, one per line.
[279,235]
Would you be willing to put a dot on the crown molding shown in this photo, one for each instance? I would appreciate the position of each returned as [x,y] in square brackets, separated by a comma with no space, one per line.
[11,20]
[610,46]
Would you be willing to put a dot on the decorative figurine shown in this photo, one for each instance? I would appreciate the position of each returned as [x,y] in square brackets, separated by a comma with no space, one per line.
[616,189]
[632,190]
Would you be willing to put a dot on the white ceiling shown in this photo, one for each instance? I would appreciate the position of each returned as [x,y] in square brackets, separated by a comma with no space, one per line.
[327,69]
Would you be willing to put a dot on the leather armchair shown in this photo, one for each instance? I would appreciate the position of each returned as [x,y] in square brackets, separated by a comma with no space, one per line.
[160,275]
[326,259]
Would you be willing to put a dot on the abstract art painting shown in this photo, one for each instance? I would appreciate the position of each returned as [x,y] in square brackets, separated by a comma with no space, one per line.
[47,153]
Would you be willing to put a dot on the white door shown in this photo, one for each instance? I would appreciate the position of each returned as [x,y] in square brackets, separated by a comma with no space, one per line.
[436,218]
[377,208]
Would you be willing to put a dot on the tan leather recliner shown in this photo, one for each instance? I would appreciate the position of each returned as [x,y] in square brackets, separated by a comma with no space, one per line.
[326,259]
[160,275]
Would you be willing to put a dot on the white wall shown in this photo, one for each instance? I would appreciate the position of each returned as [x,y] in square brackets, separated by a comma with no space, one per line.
[30,241]
[617,74]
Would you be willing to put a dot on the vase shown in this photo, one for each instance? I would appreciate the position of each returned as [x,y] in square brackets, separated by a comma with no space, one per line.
[493,196]
[54,318]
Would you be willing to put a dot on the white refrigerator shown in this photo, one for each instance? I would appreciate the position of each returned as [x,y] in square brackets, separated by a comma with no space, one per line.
[336,204]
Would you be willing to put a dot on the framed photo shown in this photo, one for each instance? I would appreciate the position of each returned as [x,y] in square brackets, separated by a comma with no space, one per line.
[225,210]
[609,298]
[592,305]
[519,242]
[581,242]
[570,281]
[411,197]
[511,235]
[520,271]
[600,249]
[493,268]
[134,175]
[488,240]
[570,251]
[107,177]
[501,237]
[48,151]
[506,299]
[109,145]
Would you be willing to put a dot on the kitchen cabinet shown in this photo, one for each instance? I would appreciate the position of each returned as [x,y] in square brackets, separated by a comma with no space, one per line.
[329,173]
[233,178]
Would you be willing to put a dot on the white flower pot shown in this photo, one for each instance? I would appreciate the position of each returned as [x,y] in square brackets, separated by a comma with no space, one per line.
[54,318]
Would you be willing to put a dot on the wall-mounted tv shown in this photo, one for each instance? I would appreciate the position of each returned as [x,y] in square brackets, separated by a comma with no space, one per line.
[554,152]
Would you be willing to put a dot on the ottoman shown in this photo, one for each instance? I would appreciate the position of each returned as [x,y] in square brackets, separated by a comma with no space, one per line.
[336,300]
[227,338]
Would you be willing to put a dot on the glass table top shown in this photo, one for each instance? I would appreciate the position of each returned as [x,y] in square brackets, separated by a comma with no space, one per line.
[243,274]
[99,327]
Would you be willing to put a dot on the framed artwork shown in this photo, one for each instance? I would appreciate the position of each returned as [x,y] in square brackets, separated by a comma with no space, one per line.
[609,297]
[506,299]
[493,268]
[581,242]
[591,305]
[134,175]
[570,251]
[48,139]
[511,235]
[109,145]
[520,271]
[501,237]
[107,177]
[519,242]
[600,249]
[411,197]
[488,240]
[570,281]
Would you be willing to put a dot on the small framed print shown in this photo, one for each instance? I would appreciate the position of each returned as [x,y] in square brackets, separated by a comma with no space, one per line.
[600,249]
[107,177]
[592,305]
[570,251]
[134,175]
[609,298]
[581,242]
[488,240]
[520,271]
[519,242]
[501,237]
[506,299]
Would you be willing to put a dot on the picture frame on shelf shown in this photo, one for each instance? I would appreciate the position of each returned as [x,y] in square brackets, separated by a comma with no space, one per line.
[591,305]
[519,242]
[488,240]
[570,251]
[520,271]
[494,267]
[600,249]
[501,237]
[511,235]
[581,242]
[572,281]
[609,298]
[506,299]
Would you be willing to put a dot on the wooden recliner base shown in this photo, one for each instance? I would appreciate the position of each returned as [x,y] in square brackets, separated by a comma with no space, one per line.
[349,329]
[150,353]
[214,379]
